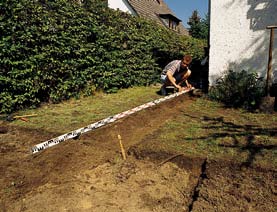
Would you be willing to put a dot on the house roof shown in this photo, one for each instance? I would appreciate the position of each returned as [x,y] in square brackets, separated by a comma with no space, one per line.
[155,10]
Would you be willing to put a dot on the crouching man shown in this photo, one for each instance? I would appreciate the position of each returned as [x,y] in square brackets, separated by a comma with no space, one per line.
[175,74]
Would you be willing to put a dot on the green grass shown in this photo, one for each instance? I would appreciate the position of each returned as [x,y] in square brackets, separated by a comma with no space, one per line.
[73,114]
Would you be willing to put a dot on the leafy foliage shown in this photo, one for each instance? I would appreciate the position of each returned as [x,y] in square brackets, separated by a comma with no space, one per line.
[51,50]
[238,89]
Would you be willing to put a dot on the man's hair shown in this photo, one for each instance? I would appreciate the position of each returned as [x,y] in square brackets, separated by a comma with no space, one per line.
[187,59]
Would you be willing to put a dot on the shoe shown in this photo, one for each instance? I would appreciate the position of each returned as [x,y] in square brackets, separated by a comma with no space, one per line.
[163,91]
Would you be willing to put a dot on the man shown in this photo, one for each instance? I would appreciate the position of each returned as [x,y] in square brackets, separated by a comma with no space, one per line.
[175,73]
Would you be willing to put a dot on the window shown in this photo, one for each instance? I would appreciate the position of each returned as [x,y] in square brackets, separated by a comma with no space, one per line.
[172,24]
[170,21]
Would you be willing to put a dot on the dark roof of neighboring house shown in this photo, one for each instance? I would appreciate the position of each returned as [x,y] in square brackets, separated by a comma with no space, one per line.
[154,10]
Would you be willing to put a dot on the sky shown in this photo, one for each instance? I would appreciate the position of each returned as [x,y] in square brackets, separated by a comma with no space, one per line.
[184,8]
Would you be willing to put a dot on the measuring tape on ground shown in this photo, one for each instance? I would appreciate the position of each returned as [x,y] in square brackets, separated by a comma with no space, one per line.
[110,119]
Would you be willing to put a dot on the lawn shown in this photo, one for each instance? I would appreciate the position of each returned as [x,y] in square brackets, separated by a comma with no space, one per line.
[187,153]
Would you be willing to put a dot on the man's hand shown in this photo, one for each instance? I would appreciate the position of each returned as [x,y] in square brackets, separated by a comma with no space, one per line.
[188,85]
[179,88]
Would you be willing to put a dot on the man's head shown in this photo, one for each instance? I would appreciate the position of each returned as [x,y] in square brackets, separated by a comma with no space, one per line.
[186,61]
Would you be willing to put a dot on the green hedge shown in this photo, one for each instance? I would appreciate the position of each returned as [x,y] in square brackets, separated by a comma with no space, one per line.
[51,50]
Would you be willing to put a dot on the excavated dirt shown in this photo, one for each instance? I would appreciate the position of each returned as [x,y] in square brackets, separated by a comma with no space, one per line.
[89,174]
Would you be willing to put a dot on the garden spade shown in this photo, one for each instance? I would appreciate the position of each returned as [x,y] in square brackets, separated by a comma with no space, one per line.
[23,117]
[269,67]
[269,103]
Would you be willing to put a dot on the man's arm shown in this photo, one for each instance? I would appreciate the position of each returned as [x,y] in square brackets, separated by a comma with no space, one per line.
[188,74]
[173,81]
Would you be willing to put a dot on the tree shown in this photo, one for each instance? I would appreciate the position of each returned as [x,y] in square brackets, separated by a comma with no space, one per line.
[199,28]
[194,19]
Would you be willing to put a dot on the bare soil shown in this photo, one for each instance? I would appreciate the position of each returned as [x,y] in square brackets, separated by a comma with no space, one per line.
[89,174]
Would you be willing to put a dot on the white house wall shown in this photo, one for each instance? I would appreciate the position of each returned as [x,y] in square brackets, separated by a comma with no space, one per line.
[122,5]
[239,39]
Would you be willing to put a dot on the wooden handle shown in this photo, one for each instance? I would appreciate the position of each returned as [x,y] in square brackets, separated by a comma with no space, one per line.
[121,147]
[24,116]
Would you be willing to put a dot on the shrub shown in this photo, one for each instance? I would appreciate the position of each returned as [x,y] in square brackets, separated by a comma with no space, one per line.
[51,50]
[238,89]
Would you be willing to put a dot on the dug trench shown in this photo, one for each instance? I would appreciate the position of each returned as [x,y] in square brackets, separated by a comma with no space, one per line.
[89,174]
